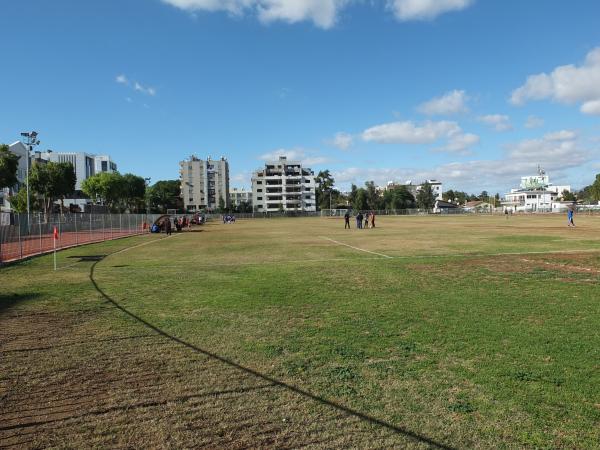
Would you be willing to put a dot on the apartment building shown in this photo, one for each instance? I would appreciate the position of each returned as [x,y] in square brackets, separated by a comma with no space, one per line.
[204,183]
[284,185]
[237,196]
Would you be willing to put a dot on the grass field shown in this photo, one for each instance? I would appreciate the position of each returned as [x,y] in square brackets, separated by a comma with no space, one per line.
[444,332]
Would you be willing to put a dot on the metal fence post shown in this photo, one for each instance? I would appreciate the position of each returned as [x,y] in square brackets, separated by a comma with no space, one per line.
[76,233]
[20,241]
[59,231]
[40,232]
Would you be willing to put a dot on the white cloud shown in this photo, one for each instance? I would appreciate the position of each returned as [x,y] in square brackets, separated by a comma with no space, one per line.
[144,90]
[497,121]
[122,79]
[562,135]
[341,140]
[323,13]
[307,157]
[591,107]
[556,152]
[453,102]
[406,10]
[568,84]
[409,133]
[460,143]
[428,132]
[534,122]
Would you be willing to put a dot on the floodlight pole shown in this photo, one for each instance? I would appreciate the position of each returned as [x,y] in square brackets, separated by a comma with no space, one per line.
[30,141]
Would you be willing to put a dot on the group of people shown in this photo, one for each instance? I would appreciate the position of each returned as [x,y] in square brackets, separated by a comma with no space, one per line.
[362,221]
[167,226]
[228,218]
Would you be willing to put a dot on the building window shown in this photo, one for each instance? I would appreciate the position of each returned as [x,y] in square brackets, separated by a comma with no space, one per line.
[104,166]
[258,198]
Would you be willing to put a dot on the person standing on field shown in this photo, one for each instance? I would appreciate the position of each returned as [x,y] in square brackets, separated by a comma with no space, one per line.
[168,226]
[372,219]
[347,220]
[359,218]
[570,214]
[367,220]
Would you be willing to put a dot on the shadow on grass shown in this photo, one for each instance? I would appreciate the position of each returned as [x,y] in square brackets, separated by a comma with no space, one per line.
[85,258]
[7,301]
[272,381]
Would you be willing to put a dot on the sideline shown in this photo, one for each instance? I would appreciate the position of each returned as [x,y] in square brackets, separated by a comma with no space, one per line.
[355,248]
[414,436]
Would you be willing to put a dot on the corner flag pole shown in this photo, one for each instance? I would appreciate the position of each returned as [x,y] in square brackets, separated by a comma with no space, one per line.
[55,239]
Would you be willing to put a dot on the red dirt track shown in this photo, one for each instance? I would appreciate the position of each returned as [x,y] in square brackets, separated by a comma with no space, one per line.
[44,243]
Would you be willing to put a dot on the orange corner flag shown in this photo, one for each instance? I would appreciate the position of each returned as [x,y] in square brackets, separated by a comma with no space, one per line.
[55,233]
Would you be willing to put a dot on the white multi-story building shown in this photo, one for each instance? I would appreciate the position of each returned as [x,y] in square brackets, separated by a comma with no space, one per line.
[103,163]
[19,149]
[237,196]
[86,165]
[204,184]
[535,193]
[284,185]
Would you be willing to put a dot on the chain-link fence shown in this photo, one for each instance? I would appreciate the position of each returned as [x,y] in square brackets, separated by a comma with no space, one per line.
[22,235]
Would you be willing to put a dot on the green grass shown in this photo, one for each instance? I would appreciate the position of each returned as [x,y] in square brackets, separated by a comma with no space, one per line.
[473,334]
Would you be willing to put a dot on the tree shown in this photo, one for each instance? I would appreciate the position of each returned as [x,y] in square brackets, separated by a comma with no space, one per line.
[426,197]
[449,195]
[105,187]
[352,194]
[64,182]
[324,184]
[134,191]
[361,200]
[568,196]
[373,198]
[52,181]
[165,194]
[9,163]
[222,207]
[595,189]
[18,202]
[401,198]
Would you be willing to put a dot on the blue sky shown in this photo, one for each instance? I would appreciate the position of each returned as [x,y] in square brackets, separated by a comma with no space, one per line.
[474,93]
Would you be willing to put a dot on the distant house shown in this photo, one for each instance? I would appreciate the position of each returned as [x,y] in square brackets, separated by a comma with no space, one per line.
[478,206]
[442,206]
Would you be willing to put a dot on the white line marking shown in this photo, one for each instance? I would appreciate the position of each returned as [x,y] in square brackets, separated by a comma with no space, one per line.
[356,248]
[141,245]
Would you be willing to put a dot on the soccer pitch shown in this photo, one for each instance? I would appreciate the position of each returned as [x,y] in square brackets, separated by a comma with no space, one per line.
[443,332]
